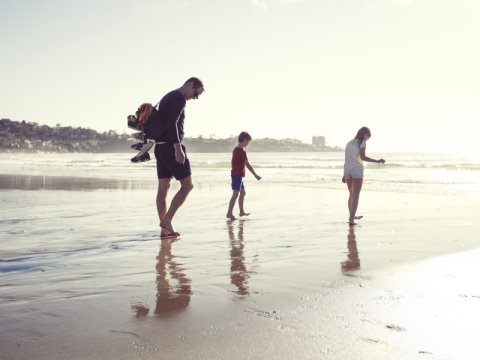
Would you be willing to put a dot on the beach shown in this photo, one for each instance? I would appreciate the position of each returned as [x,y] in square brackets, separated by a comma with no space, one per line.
[84,274]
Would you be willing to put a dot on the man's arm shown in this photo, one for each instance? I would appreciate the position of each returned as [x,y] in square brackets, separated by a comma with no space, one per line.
[179,154]
[175,111]
[173,116]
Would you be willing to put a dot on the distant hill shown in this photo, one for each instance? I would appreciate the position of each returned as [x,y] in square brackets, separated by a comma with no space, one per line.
[31,137]
[258,145]
[25,136]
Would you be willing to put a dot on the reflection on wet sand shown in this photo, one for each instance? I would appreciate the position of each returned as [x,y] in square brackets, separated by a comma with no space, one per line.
[238,271]
[173,286]
[171,297]
[41,182]
[353,261]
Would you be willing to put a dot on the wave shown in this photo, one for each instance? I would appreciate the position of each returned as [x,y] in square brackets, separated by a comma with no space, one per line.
[48,182]
[225,165]
[49,258]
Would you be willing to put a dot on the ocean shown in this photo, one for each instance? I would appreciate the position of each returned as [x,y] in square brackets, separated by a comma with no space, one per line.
[403,172]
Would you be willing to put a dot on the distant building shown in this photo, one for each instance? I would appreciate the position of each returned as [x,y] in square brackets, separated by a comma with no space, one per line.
[318,141]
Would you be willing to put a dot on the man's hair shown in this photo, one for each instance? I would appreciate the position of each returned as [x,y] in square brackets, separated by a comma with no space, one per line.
[244,135]
[195,81]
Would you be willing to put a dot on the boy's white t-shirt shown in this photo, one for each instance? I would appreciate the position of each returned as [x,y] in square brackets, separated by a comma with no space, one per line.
[352,153]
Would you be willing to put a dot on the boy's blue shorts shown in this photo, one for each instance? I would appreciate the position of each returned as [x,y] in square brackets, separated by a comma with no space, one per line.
[237,183]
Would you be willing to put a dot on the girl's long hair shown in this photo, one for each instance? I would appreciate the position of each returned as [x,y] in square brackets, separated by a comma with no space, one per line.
[360,135]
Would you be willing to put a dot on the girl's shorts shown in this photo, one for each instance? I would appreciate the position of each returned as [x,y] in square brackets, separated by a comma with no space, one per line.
[354,172]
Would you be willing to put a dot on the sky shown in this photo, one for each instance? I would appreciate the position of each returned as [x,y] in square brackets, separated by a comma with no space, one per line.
[407,69]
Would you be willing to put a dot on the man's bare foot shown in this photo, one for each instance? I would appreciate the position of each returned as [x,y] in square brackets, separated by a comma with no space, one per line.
[167,225]
[231,217]
[358,217]
[244,214]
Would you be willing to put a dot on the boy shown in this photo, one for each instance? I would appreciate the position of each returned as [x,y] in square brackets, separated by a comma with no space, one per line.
[239,163]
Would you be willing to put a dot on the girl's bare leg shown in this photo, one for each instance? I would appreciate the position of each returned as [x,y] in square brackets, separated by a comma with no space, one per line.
[354,187]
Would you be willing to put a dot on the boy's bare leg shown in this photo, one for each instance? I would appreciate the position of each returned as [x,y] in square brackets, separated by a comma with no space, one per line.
[241,200]
[186,186]
[231,204]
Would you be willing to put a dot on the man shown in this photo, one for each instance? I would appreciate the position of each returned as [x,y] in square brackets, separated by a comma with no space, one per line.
[172,160]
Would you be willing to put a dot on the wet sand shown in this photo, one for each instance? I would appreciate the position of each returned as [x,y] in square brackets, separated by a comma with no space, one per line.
[84,275]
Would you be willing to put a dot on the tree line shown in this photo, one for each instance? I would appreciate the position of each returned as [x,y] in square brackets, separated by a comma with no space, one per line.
[31,137]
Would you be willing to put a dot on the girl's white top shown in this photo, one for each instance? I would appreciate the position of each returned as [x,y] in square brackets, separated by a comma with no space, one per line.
[352,153]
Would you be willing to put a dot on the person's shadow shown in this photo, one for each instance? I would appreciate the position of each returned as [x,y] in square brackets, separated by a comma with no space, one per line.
[353,261]
[173,286]
[238,271]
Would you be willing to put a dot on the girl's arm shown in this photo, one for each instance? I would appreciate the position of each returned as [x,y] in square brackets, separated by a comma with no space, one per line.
[250,168]
[367,159]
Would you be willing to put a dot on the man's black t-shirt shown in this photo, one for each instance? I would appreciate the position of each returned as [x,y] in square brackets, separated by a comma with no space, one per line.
[172,111]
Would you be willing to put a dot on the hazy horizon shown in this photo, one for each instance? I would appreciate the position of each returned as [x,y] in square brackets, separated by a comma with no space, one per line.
[408,69]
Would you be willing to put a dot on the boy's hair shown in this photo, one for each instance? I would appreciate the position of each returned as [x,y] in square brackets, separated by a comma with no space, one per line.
[244,135]
[197,83]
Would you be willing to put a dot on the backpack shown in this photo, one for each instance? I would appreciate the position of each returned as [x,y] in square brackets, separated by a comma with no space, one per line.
[144,112]
[147,119]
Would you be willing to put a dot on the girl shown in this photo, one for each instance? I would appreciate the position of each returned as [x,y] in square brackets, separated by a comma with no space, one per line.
[353,169]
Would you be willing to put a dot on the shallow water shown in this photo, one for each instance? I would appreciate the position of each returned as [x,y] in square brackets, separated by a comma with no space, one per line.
[83,251]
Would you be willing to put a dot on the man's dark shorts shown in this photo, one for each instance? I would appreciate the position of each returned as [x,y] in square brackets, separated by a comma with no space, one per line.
[167,166]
